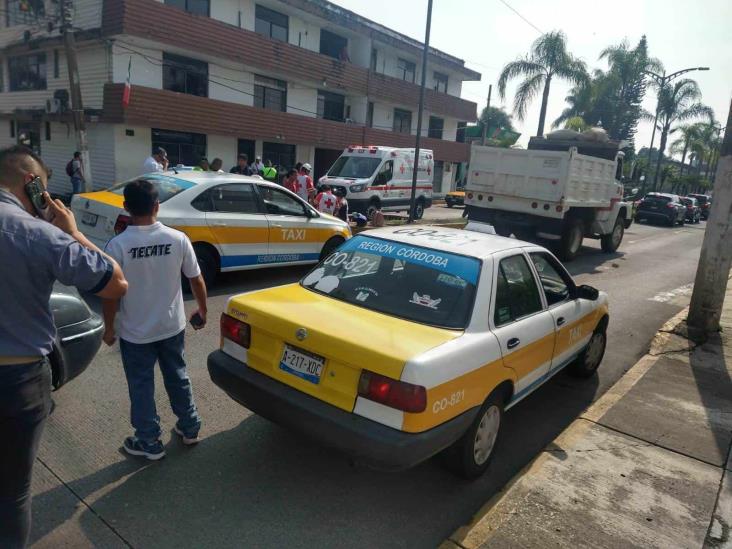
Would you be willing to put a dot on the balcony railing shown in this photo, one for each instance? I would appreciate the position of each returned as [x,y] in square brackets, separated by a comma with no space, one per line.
[168,25]
[151,107]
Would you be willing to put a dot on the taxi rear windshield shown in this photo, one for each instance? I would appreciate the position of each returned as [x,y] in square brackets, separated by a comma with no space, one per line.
[418,284]
[167,187]
[354,167]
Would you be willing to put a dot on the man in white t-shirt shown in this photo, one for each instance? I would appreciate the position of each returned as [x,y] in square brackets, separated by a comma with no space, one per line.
[157,162]
[151,319]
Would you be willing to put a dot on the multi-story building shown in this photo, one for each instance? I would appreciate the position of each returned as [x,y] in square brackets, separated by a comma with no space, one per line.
[290,80]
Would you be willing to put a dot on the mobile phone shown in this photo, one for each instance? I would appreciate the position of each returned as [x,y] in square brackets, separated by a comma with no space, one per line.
[197,321]
[34,189]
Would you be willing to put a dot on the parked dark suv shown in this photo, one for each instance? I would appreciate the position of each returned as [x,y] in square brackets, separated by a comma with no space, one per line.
[705,203]
[663,207]
[693,211]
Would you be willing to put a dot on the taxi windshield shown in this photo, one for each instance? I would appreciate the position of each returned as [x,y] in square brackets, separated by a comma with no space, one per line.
[167,187]
[418,284]
[354,167]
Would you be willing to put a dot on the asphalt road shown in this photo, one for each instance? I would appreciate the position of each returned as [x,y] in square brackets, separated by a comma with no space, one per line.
[250,483]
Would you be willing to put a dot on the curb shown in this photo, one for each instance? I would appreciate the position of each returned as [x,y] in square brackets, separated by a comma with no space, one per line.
[474,534]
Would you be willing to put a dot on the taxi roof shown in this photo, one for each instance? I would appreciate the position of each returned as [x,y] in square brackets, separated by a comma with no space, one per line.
[448,239]
[200,178]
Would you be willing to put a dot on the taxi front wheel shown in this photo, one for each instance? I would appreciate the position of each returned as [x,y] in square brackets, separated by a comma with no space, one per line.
[471,455]
[589,359]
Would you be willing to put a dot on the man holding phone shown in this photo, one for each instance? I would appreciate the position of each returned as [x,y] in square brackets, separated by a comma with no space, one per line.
[152,320]
[39,244]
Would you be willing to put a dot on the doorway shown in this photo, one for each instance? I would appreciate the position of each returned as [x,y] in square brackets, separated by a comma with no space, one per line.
[324,159]
[246,146]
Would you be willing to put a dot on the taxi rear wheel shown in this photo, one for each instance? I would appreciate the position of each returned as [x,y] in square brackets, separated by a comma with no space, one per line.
[590,358]
[472,454]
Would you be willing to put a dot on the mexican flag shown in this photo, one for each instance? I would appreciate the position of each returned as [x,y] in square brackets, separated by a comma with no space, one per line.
[128,88]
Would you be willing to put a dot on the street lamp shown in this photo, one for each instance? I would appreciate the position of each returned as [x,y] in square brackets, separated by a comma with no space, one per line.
[662,80]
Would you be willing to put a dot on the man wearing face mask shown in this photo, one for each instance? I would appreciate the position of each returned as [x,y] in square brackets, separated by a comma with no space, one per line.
[39,244]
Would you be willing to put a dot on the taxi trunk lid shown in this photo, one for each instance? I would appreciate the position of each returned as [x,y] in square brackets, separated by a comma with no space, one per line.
[348,338]
[96,214]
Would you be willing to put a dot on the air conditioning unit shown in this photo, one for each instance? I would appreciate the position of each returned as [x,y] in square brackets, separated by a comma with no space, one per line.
[53,106]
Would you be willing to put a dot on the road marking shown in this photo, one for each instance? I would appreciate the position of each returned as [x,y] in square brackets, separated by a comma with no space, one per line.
[665,297]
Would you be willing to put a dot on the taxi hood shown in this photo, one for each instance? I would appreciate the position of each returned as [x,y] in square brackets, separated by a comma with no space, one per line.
[337,330]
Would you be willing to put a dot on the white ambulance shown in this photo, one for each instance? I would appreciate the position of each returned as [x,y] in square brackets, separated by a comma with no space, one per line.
[374,177]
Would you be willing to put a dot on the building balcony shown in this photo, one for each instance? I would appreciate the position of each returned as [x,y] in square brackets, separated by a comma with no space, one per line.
[165,24]
[176,111]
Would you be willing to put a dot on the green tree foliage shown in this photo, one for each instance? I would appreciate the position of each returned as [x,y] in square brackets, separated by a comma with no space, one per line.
[612,99]
[548,59]
[678,102]
[496,118]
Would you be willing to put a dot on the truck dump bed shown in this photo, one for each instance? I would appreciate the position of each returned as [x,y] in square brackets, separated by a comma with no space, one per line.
[509,178]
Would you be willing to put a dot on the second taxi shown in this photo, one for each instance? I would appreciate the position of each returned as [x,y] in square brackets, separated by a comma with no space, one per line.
[409,340]
[234,222]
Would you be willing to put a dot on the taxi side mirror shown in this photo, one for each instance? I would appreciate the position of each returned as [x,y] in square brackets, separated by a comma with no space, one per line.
[587,292]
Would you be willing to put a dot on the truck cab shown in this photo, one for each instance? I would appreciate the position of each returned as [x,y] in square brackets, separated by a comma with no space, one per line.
[380,178]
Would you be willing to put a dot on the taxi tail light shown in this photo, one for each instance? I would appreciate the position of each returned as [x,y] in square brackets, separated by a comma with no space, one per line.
[122,222]
[235,330]
[392,393]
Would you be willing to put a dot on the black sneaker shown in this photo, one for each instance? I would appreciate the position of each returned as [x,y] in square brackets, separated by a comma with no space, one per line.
[152,451]
[188,441]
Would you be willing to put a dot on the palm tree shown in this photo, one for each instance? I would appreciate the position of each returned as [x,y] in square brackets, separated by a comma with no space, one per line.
[548,58]
[576,123]
[677,102]
[689,133]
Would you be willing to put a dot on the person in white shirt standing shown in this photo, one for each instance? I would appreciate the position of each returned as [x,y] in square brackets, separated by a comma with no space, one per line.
[151,323]
[157,162]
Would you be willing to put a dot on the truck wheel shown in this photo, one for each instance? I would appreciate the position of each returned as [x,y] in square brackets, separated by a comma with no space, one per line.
[611,242]
[471,455]
[571,242]
[419,209]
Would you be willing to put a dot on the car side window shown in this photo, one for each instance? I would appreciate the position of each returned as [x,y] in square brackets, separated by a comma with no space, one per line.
[517,294]
[553,281]
[279,202]
[235,198]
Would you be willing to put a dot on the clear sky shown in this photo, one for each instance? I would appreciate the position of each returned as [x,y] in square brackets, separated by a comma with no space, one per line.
[487,35]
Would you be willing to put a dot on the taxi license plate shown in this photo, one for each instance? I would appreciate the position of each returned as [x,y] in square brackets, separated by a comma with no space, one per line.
[89,219]
[302,364]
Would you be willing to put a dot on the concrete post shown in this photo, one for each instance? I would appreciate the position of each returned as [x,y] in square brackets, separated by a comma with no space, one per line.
[716,254]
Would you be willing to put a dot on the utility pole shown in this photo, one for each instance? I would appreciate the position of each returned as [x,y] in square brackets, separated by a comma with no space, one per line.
[425,51]
[77,106]
[487,115]
[715,260]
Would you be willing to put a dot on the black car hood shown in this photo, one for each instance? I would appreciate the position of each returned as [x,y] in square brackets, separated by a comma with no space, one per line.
[67,306]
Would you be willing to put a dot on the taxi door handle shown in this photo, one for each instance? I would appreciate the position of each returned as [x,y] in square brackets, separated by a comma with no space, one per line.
[219,224]
[560,321]
[276,226]
[513,342]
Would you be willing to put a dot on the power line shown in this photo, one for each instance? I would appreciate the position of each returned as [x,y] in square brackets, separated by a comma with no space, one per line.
[521,16]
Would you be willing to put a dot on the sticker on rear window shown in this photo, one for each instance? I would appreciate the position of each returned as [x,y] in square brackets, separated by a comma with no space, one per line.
[425,301]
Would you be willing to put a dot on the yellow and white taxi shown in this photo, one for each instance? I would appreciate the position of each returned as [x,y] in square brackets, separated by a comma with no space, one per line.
[235,222]
[409,340]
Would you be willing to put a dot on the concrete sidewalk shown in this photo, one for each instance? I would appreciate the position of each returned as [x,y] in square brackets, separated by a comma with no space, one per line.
[648,465]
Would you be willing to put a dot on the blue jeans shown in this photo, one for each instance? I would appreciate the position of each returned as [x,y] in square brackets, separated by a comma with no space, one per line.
[139,364]
[76,185]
